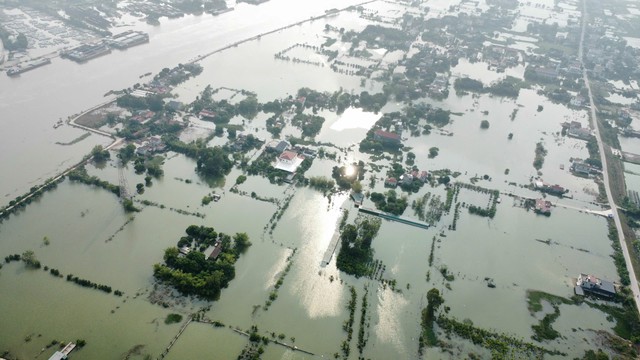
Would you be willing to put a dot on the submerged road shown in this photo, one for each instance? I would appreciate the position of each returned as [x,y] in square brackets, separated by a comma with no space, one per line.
[616,218]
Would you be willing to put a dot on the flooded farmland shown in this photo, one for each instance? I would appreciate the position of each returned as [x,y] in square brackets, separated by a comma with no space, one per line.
[486,250]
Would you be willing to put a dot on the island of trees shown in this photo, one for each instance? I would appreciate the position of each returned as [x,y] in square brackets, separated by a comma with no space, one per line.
[195,273]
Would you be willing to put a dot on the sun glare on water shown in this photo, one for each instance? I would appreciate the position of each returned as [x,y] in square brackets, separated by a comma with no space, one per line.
[349,170]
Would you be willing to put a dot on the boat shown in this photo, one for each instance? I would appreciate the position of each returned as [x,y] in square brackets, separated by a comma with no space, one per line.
[22,67]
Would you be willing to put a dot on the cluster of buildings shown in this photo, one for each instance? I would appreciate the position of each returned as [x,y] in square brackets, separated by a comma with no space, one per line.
[289,158]
[500,57]
[142,116]
[439,86]
[407,179]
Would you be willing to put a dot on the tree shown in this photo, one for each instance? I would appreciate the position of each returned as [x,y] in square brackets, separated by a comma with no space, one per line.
[411,157]
[241,242]
[126,153]
[356,187]
[484,124]
[29,258]
[249,107]
[434,300]
[214,162]
[171,255]
[21,42]
[240,179]
[128,206]
[100,154]
[439,117]
[155,103]
[433,152]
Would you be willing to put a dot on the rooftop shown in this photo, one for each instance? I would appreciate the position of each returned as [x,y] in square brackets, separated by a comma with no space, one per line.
[387,135]
[288,155]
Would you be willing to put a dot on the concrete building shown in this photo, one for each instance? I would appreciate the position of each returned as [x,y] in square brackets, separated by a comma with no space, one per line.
[589,284]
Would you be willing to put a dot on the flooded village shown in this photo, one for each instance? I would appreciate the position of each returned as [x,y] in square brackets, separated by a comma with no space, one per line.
[430,179]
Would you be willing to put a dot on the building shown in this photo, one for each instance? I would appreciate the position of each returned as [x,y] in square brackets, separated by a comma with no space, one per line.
[86,52]
[406,179]
[580,168]
[128,39]
[217,249]
[577,101]
[289,161]
[58,356]
[386,137]
[546,73]
[153,144]
[543,207]
[556,190]
[577,131]
[391,182]
[62,354]
[589,284]
[175,105]
[278,146]
[207,114]
[288,156]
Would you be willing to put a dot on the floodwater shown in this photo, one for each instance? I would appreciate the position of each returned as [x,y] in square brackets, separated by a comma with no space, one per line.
[92,238]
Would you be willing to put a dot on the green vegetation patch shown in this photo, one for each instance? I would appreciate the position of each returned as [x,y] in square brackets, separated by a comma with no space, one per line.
[428,335]
[490,209]
[389,202]
[356,256]
[502,346]
[348,324]
[509,87]
[173,319]
[80,175]
[535,298]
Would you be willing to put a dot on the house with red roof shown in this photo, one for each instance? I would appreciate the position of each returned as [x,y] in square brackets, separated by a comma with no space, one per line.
[386,137]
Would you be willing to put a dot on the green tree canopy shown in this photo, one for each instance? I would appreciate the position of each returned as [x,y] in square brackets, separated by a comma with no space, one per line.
[214,162]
